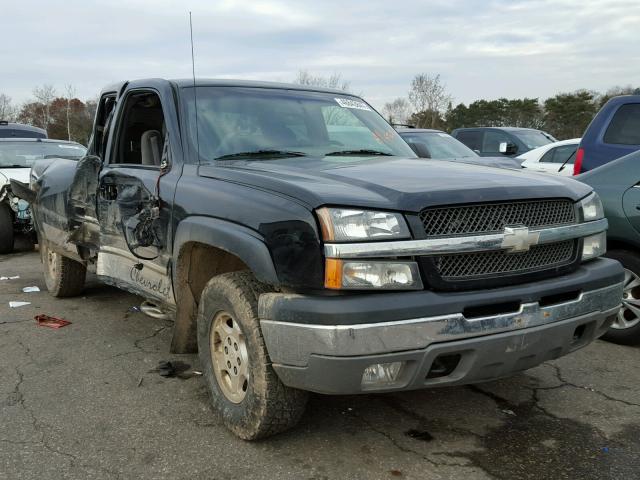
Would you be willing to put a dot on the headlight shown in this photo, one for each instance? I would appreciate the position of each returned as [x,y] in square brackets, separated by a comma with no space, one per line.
[591,208]
[368,275]
[343,225]
[594,246]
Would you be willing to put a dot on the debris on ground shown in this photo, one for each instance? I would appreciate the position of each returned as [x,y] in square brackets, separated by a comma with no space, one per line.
[15,304]
[10,278]
[419,435]
[51,322]
[134,309]
[176,369]
[509,412]
[30,289]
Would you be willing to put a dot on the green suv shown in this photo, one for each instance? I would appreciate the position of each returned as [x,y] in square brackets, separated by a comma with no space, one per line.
[618,185]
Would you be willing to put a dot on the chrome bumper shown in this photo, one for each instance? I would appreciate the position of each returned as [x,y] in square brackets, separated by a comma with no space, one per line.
[294,343]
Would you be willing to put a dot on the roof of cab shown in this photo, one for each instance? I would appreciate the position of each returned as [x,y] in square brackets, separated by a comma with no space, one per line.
[210,82]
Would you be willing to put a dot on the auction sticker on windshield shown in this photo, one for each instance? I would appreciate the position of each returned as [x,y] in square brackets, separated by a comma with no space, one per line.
[351,103]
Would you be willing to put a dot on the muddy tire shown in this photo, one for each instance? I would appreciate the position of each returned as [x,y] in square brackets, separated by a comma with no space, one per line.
[626,328]
[6,229]
[245,390]
[64,277]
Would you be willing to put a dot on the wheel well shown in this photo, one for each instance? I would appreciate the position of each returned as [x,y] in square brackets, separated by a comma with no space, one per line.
[197,264]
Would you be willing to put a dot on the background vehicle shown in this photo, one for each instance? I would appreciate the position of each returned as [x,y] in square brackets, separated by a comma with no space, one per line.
[302,246]
[554,157]
[16,158]
[508,141]
[618,184]
[438,145]
[613,133]
[19,130]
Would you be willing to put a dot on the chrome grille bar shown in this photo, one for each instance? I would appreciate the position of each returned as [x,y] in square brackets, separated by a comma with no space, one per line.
[460,244]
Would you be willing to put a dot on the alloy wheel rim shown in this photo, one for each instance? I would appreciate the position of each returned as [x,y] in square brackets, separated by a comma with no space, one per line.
[629,314]
[229,357]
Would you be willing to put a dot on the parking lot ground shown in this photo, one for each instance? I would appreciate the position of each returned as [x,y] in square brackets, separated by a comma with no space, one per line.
[83,402]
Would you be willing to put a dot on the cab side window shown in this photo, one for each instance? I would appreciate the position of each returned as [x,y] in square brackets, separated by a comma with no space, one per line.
[471,138]
[493,139]
[142,131]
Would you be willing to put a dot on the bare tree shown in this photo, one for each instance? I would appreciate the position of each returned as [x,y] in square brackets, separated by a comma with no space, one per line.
[71,93]
[397,111]
[429,97]
[334,81]
[7,111]
[44,95]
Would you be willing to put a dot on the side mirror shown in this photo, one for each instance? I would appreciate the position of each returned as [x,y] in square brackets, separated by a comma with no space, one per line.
[420,149]
[508,148]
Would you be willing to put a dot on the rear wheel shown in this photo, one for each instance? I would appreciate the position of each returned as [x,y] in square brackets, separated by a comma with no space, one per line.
[64,277]
[6,229]
[245,390]
[626,328]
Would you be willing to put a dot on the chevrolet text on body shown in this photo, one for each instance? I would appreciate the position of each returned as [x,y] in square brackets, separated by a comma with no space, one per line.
[301,246]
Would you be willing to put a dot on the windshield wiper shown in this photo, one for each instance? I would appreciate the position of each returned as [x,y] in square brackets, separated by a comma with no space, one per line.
[262,154]
[14,166]
[364,151]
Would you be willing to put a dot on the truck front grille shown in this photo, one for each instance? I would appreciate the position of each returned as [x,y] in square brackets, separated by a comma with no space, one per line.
[499,262]
[493,217]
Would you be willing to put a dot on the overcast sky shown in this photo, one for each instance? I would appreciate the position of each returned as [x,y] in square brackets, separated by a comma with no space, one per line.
[482,49]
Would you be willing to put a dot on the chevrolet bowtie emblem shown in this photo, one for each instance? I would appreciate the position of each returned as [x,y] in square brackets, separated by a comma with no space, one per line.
[519,239]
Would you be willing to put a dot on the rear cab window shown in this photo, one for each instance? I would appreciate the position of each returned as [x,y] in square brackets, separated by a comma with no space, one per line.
[624,128]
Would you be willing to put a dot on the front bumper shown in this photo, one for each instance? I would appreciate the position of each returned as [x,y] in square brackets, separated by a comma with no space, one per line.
[315,345]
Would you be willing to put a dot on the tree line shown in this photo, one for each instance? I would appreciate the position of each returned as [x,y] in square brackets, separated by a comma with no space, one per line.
[63,116]
[565,115]
[427,104]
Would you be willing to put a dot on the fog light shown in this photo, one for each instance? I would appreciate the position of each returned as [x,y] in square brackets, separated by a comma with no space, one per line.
[381,374]
[594,246]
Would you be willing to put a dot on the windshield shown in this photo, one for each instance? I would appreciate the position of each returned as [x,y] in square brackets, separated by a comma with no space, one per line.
[532,138]
[267,123]
[18,154]
[440,145]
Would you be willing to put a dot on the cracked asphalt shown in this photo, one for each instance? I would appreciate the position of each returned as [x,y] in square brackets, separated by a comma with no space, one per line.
[84,402]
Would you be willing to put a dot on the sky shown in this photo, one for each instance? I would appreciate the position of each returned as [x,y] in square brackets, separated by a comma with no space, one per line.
[481,49]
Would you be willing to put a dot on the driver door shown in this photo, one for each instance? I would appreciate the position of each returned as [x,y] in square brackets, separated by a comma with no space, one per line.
[134,194]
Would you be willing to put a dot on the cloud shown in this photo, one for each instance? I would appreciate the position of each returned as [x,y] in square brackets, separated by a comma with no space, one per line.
[482,49]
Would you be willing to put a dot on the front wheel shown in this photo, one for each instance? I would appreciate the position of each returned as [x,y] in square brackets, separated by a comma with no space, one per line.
[6,229]
[64,277]
[245,390]
[625,329]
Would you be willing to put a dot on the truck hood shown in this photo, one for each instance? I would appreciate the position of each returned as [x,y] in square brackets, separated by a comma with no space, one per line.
[20,174]
[390,182]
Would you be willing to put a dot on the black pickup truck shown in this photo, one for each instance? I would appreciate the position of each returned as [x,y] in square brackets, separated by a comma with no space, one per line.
[301,246]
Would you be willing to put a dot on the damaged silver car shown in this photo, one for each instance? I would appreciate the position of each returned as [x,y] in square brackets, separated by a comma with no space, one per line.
[17,156]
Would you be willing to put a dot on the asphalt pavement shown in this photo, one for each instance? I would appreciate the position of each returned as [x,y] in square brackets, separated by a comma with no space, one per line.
[86,402]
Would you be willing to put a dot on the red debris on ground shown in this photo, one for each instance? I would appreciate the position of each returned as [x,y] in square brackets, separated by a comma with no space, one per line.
[51,322]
